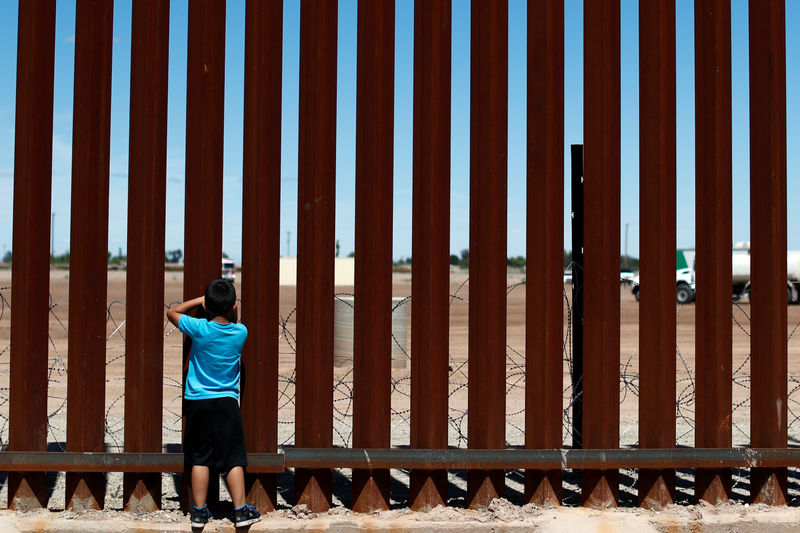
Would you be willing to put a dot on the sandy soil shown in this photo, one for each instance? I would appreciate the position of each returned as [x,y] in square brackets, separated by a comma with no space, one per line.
[59,286]
[500,516]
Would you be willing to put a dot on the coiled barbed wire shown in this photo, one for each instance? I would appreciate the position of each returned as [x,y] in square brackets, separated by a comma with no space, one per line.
[343,381]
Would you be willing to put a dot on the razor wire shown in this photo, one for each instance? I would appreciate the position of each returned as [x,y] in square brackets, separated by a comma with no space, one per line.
[685,402]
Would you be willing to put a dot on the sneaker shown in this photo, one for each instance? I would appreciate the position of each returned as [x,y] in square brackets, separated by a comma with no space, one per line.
[199,517]
[245,516]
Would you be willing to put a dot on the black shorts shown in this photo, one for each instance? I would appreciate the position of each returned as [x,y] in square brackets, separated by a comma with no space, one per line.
[214,434]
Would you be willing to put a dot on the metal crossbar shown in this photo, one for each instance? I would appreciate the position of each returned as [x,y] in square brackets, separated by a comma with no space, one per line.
[423,459]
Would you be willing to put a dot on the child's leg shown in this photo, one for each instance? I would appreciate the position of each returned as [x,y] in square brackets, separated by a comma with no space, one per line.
[235,479]
[200,476]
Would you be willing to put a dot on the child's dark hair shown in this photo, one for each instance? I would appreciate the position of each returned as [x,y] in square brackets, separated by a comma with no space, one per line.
[220,297]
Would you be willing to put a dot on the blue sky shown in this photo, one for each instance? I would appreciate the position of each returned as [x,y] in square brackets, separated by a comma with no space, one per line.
[346,94]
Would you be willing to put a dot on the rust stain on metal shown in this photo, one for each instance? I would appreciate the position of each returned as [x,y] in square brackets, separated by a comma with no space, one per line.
[768,345]
[713,272]
[144,338]
[315,253]
[89,246]
[487,235]
[430,244]
[601,250]
[545,235]
[30,269]
[372,320]
[205,119]
[261,238]
[430,459]
[657,336]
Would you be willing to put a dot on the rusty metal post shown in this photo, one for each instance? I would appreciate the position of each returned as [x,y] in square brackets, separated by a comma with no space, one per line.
[430,285]
[768,362]
[372,320]
[487,236]
[601,251]
[545,238]
[261,238]
[205,118]
[205,106]
[713,276]
[147,171]
[30,268]
[316,209]
[89,247]
[657,201]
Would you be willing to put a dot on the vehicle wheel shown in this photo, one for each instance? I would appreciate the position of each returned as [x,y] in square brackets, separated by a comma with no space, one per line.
[683,295]
[636,295]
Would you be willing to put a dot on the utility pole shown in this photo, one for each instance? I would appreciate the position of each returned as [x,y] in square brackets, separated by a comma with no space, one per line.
[288,242]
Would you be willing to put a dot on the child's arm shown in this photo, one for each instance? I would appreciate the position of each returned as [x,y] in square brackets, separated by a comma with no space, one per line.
[174,313]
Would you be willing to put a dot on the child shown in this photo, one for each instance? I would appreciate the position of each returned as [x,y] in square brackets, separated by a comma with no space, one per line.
[214,436]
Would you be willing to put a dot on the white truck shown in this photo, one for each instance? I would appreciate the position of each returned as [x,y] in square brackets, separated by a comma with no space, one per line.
[741,273]
[685,275]
[684,278]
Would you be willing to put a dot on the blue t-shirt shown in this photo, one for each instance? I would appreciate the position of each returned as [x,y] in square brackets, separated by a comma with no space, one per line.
[214,360]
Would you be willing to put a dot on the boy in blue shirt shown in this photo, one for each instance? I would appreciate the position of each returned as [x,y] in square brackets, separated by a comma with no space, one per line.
[214,435]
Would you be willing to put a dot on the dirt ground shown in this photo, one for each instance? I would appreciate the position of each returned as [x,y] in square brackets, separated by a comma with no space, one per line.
[59,288]
[500,516]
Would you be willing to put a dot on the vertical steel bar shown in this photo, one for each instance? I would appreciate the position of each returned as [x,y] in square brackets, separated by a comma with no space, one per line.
[713,277]
[430,319]
[487,235]
[89,247]
[205,99]
[315,244]
[205,117]
[30,268]
[657,202]
[545,238]
[768,286]
[601,251]
[147,171]
[261,238]
[372,320]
